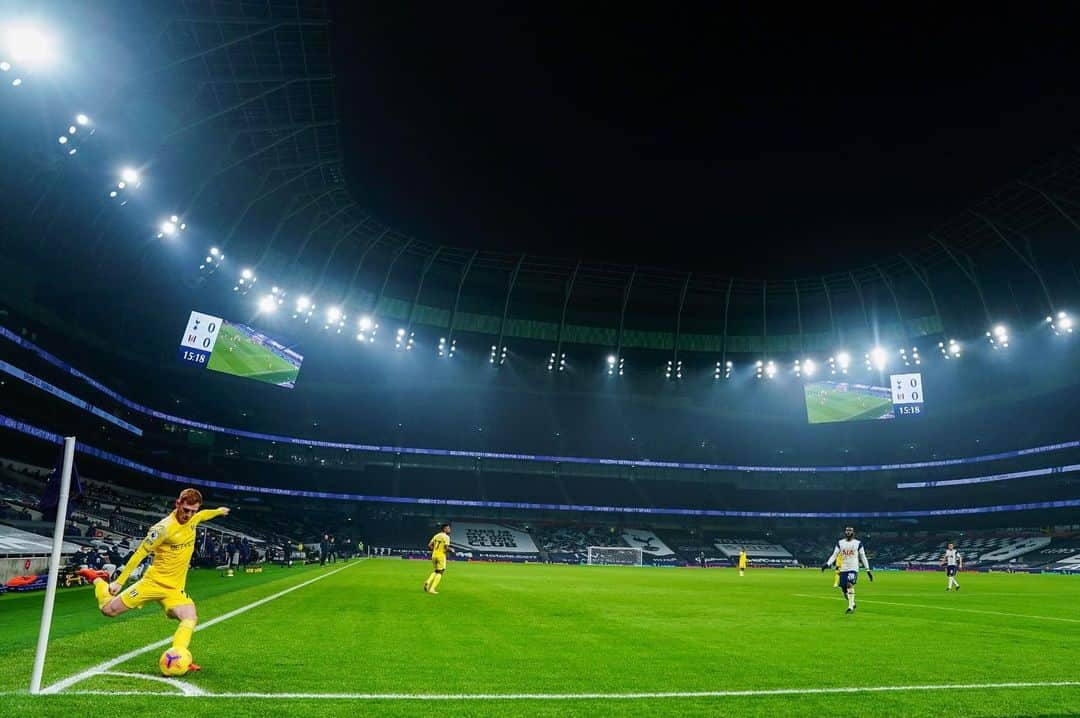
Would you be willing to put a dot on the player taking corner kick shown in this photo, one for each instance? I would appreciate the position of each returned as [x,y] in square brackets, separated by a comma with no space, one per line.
[171,541]
[439,545]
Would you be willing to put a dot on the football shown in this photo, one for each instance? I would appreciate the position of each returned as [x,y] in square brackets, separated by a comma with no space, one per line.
[175,662]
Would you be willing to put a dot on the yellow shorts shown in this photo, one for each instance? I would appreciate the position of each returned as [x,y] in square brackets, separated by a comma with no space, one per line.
[147,591]
[439,563]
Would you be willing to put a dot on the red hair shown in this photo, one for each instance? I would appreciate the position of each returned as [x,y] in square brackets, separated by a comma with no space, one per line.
[190,496]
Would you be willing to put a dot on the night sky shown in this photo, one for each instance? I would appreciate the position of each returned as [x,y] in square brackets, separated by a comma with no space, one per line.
[749,144]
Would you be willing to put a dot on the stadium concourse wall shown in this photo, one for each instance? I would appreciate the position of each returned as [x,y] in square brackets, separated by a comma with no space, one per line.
[493,484]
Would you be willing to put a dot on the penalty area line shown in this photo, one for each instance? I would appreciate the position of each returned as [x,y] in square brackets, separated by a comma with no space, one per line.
[765,692]
[944,608]
[105,666]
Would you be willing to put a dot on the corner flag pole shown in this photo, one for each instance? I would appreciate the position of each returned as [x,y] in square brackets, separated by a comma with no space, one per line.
[54,565]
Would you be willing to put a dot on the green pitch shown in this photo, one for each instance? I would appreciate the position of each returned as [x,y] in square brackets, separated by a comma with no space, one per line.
[235,354]
[558,630]
[824,404]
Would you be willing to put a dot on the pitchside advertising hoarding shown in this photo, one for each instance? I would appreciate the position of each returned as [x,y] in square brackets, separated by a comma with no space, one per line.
[239,350]
[840,401]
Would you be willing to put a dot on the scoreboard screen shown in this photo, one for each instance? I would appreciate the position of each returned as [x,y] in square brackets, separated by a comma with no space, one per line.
[832,401]
[238,349]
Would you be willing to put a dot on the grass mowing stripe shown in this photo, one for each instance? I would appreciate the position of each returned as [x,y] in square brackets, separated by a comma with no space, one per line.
[102,667]
[591,696]
[946,608]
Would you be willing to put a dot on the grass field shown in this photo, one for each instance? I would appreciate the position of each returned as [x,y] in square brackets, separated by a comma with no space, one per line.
[824,404]
[234,353]
[366,628]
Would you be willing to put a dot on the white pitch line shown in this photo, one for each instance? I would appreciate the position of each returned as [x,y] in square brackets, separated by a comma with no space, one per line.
[187,689]
[593,696]
[102,667]
[946,608]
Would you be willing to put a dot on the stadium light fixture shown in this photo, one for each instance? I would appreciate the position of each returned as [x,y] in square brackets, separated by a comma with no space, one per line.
[268,304]
[366,323]
[877,358]
[29,46]
[404,340]
[770,369]
[950,349]
[246,282]
[615,364]
[129,175]
[1061,323]
[809,367]
[81,119]
[447,349]
[333,315]
[674,368]
[843,360]
[998,336]
[559,362]
[5,66]
[171,226]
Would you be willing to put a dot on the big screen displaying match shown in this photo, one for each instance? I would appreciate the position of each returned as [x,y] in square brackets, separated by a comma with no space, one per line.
[240,350]
[831,401]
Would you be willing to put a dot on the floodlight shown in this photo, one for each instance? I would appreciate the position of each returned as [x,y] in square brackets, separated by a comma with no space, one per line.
[333,314]
[168,229]
[267,304]
[29,45]
[82,119]
[214,251]
[62,139]
[5,66]
[843,359]
[878,358]
[129,175]
[809,367]
[365,323]
[16,82]
[770,369]
[611,359]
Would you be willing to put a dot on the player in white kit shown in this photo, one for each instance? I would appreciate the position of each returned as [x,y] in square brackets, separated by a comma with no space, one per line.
[953,562]
[851,552]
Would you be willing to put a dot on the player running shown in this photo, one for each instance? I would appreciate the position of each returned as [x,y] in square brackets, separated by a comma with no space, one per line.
[953,562]
[851,551]
[171,541]
[439,545]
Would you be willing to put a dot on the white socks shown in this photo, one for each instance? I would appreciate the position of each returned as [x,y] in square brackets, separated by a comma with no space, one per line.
[851,598]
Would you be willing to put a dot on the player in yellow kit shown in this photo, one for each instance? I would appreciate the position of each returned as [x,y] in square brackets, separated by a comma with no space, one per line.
[439,545]
[836,573]
[171,541]
[742,560]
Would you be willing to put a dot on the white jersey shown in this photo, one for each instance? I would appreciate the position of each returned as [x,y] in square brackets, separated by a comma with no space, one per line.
[851,552]
[952,557]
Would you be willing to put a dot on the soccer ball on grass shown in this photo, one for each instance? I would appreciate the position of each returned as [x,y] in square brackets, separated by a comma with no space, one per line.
[175,662]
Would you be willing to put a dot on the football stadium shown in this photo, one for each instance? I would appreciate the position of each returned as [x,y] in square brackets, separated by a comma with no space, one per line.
[515,360]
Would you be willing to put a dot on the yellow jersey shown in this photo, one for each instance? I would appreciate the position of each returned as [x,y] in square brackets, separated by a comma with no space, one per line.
[439,542]
[742,559]
[172,544]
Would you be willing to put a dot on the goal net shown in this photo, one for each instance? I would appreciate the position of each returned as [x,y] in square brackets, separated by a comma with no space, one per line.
[614,556]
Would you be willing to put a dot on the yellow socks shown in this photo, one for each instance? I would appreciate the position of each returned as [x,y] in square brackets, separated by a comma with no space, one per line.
[182,637]
[101,592]
[430,580]
[435,582]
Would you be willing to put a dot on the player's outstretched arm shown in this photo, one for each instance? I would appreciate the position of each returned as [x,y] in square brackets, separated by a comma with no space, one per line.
[832,558]
[207,514]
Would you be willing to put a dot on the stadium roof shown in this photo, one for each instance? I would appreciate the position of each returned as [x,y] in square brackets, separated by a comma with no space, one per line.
[246,116]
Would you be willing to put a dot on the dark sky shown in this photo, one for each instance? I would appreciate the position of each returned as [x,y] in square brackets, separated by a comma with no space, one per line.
[688,137]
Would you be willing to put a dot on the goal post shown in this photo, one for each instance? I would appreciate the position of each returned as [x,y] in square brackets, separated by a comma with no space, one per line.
[614,556]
